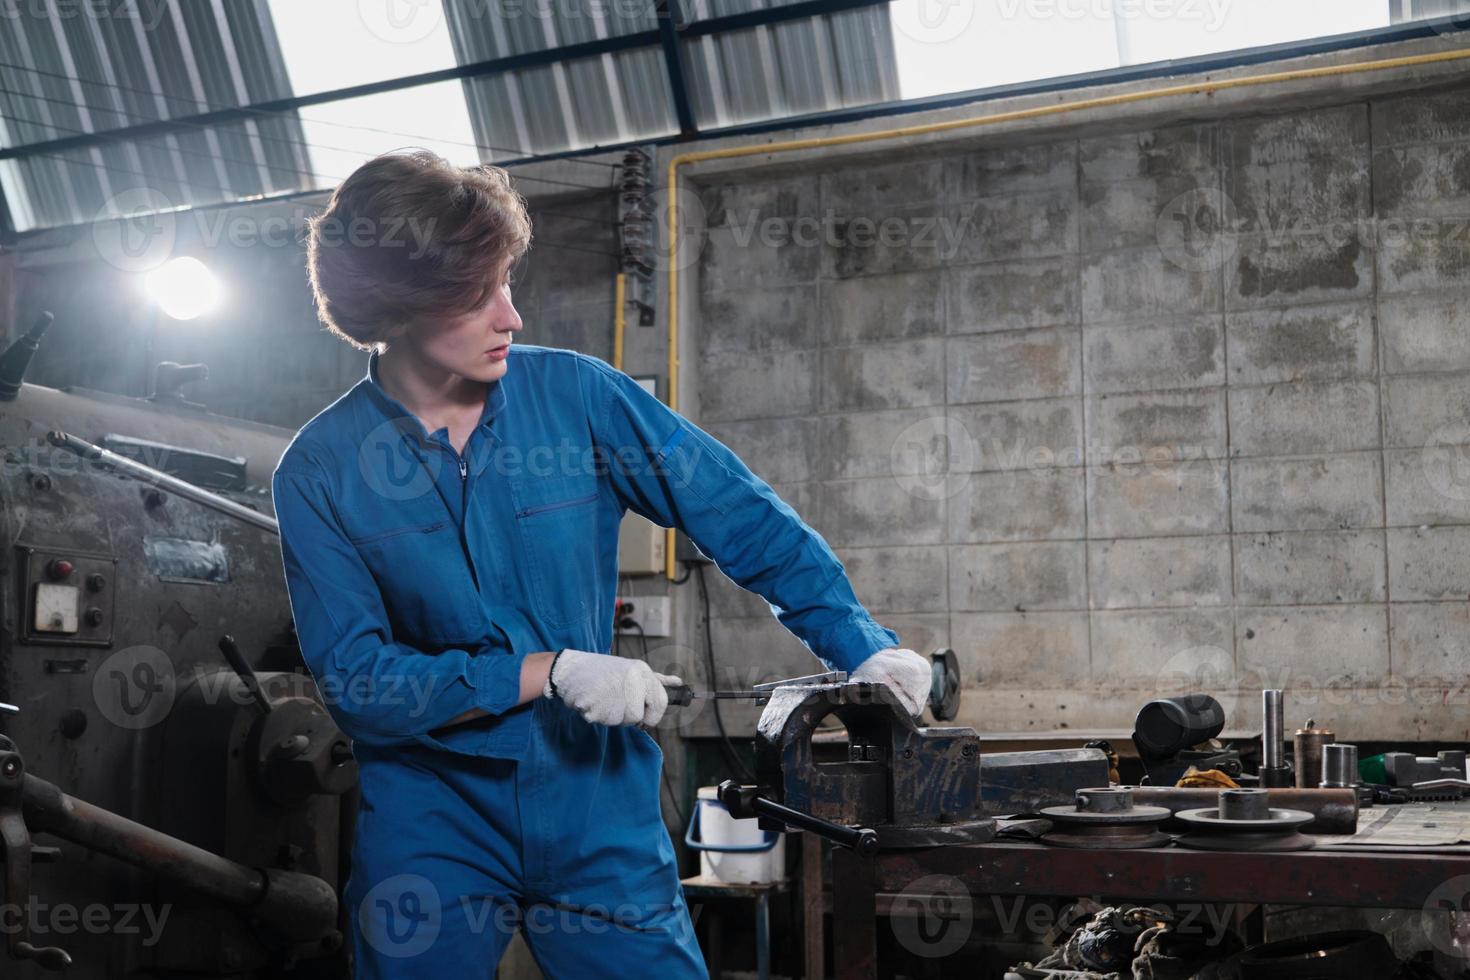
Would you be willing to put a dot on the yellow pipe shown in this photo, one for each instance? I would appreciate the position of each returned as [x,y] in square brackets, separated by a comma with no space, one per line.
[619,319]
[1100,102]
[620,323]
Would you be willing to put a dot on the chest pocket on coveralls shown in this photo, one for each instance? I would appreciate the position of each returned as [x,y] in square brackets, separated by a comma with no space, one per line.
[556,517]
[415,566]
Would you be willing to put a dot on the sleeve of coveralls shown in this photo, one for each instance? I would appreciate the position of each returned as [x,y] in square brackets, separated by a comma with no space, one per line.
[675,474]
[380,692]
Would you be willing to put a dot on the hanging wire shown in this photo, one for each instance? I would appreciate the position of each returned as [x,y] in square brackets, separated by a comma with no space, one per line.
[243,162]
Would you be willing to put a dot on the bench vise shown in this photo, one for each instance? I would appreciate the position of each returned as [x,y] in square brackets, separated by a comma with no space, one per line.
[887,784]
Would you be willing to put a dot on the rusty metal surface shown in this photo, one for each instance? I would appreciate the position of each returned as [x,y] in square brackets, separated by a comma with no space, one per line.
[915,786]
[1026,782]
[1377,880]
[1167,875]
[49,810]
[131,714]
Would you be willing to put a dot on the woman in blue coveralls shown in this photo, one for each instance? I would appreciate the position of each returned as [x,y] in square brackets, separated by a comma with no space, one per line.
[450,529]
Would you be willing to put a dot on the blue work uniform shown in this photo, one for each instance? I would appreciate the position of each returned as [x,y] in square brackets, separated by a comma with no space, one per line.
[420,578]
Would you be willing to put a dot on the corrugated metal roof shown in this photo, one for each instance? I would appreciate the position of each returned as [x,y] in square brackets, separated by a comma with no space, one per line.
[808,65]
[89,70]
[791,69]
[100,67]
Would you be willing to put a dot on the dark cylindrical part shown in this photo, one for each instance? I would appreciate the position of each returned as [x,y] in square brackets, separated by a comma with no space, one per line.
[1273,730]
[1244,804]
[1104,799]
[1308,745]
[17,357]
[299,906]
[1167,726]
[1276,777]
[1334,811]
[1339,766]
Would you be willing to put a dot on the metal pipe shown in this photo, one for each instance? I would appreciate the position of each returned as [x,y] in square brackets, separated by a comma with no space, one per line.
[164,481]
[1274,770]
[1308,745]
[1273,729]
[298,906]
[1339,766]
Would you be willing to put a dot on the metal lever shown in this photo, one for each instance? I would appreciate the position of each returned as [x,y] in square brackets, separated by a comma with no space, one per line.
[16,838]
[683,695]
[744,802]
[8,709]
[808,680]
[231,650]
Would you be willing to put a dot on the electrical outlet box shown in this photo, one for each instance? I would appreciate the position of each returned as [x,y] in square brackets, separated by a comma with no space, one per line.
[655,613]
[640,546]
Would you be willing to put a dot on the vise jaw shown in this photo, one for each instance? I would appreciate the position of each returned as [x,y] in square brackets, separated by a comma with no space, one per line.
[916,787]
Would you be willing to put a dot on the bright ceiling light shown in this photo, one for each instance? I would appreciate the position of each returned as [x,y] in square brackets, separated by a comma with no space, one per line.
[184,288]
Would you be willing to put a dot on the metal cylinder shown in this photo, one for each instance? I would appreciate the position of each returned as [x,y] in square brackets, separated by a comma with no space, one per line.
[1274,772]
[1104,799]
[1244,804]
[1307,745]
[1273,730]
[1166,726]
[1339,766]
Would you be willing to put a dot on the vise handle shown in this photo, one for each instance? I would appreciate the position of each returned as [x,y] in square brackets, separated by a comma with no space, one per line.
[745,802]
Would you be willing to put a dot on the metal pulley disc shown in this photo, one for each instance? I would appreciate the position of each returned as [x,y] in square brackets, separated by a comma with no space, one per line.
[1104,818]
[1211,832]
[1110,837]
[1208,818]
[1139,814]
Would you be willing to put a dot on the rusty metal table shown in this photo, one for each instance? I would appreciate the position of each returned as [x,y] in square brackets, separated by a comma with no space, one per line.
[1336,877]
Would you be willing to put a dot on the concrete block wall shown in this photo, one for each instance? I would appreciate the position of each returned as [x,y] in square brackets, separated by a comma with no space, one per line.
[1123,415]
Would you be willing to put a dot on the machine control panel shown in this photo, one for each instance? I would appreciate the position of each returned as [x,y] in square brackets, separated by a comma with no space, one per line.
[68,597]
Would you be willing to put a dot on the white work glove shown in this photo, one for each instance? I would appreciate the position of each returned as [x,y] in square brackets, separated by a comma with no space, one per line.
[608,690]
[908,675]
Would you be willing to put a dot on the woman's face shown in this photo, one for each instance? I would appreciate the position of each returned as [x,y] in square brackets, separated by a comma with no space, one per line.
[475,344]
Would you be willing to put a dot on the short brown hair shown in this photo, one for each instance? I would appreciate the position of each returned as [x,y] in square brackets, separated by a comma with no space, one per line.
[409,236]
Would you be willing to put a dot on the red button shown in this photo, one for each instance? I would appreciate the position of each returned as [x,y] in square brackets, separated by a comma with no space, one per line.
[60,568]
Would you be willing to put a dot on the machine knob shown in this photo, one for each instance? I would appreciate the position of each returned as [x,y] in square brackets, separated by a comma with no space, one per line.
[96,582]
[59,569]
[73,723]
[94,616]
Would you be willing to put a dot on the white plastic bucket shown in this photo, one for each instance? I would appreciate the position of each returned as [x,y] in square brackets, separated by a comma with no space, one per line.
[734,851]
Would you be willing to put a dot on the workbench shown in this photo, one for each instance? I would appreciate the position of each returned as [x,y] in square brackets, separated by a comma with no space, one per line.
[1326,877]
